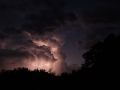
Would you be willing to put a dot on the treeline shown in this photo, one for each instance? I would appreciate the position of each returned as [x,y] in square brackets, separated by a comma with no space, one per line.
[100,69]
[40,79]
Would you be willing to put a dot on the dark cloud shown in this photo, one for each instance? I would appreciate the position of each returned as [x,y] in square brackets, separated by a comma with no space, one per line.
[8,57]
[12,31]
[98,33]
[27,34]
[99,18]
[11,54]
[28,28]
[99,11]
[2,36]
[47,21]
[34,16]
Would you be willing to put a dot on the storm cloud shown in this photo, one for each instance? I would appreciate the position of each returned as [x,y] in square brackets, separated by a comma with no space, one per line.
[31,35]
[27,37]
[99,18]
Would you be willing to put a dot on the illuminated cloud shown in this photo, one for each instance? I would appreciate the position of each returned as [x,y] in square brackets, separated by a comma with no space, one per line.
[34,51]
[28,30]
[28,37]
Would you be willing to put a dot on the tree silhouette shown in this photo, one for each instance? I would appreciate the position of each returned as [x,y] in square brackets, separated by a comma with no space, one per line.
[103,58]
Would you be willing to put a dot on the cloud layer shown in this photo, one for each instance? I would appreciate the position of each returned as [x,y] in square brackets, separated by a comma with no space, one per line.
[29,30]
[99,18]
[27,35]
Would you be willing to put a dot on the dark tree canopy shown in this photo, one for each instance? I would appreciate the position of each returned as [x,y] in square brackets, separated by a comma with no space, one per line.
[103,58]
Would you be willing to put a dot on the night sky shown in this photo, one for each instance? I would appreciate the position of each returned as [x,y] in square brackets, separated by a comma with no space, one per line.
[53,34]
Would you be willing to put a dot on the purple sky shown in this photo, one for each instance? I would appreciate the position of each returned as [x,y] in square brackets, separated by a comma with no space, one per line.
[53,33]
